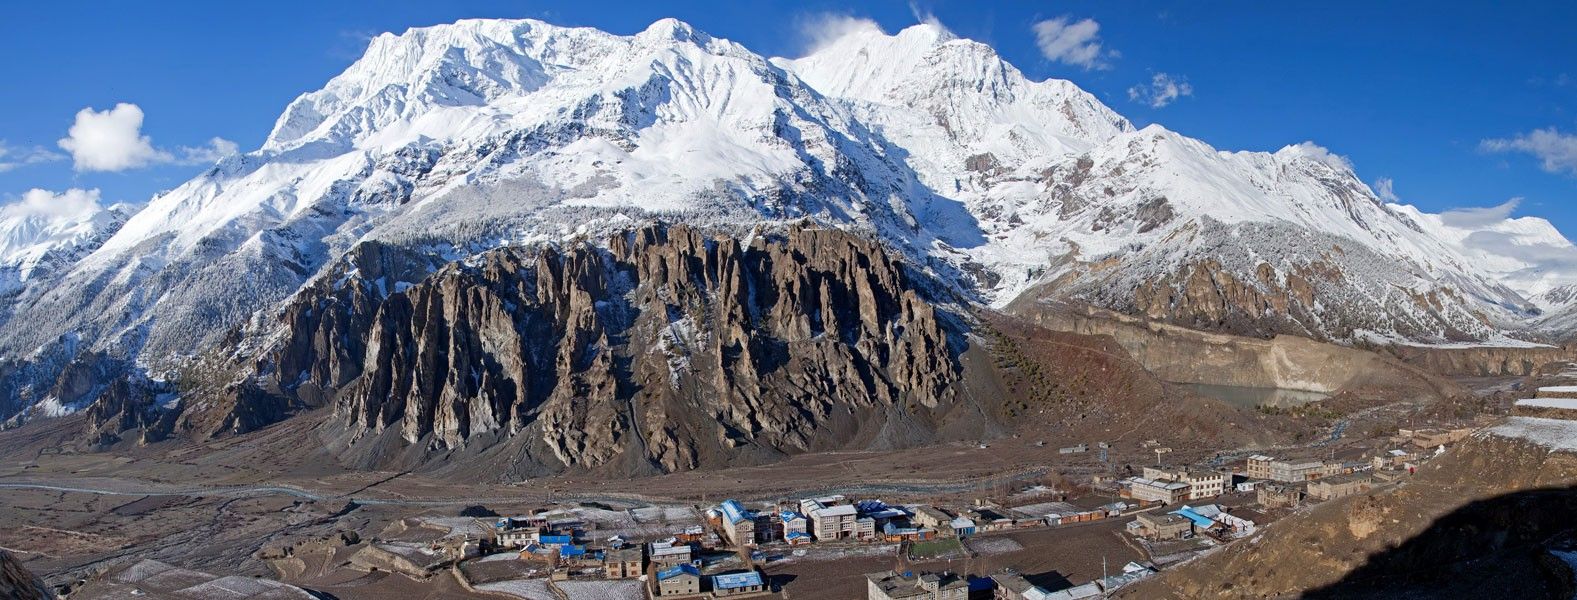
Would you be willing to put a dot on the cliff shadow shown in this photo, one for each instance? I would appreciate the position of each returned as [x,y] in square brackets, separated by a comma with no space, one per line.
[1496,547]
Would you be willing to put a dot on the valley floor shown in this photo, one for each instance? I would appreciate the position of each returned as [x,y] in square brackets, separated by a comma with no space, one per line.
[222,506]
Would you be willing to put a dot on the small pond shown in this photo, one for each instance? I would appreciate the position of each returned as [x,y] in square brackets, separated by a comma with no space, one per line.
[1254,397]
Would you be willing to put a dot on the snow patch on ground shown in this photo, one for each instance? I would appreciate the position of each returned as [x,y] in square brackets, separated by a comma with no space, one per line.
[528,589]
[624,589]
[1556,434]
[1565,403]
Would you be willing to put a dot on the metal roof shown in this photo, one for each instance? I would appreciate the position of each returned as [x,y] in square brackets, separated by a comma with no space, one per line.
[731,581]
[675,571]
[735,512]
[841,510]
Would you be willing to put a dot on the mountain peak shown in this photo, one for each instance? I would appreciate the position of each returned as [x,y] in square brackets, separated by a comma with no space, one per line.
[673,29]
[929,32]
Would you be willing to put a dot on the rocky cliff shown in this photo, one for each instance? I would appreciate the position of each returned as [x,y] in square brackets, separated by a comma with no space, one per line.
[16,583]
[661,348]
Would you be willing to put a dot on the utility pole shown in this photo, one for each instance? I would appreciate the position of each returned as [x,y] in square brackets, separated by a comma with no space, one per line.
[1158,453]
[1103,575]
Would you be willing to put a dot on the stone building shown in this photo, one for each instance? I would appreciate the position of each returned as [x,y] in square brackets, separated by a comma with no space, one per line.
[891,585]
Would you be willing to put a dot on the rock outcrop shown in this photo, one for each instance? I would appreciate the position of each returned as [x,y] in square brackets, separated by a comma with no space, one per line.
[664,348]
[17,583]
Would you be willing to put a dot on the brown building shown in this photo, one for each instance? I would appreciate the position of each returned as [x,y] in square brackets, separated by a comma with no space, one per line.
[1265,467]
[1278,495]
[1340,486]
[930,516]
[1201,484]
[1164,491]
[1435,438]
[1164,526]
[623,563]
[890,585]
[738,522]
[1012,586]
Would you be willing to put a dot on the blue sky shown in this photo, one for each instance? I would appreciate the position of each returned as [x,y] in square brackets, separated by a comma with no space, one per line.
[1414,92]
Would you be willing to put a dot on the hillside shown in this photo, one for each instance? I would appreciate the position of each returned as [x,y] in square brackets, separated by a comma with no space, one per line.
[1478,521]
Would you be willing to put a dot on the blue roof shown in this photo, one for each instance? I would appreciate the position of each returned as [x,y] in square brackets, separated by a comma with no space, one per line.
[794,535]
[675,571]
[734,512]
[1198,519]
[891,528]
[732,581]
[572,551]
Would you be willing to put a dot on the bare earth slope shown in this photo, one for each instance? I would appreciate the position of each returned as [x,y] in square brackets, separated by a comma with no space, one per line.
[1473,523]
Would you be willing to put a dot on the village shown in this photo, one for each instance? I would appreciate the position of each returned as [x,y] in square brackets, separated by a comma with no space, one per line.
[1155,516]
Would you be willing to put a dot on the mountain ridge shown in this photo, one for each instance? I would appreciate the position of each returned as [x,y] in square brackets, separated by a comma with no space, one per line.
[453,140]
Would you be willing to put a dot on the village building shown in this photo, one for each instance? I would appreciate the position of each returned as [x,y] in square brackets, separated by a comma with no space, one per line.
[1340,486]
[1392,459]
[668,553]
[1205,484]
[892,531]
[1278,495]
[1265,467]
[1164,491]
[516,533]
[835,522]
[891,585]
[1437,438]
[1164,526]
[553,540]
[1201,484]
[791,522]
[962,527]
[623,563]
[1012,586]
[1232,524]
[681,580]
[738,523]
[809,505]
[1080,592]
[736,584]
[989,518]
[930,516]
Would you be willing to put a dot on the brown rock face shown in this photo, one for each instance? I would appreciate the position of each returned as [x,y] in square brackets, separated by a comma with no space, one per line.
[16,583]
[664,349]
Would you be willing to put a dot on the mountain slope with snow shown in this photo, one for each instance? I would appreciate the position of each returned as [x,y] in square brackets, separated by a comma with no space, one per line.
[450,140]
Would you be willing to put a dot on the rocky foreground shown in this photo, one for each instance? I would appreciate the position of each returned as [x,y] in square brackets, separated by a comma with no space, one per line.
[1477,522]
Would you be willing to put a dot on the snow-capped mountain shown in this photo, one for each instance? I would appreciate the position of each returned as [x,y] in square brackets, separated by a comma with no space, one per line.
[453,139]
[43,232]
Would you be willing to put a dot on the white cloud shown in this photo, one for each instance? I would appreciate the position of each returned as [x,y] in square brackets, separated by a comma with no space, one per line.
[926,17]
[1163,89]
[1076,43]
[216,149]
[1556,151]
[44,203]
[1385,188]
[112,140]
[1318,153]
[821,30]
[12,157]
[1476,217]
